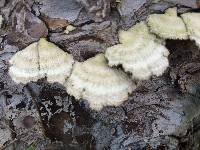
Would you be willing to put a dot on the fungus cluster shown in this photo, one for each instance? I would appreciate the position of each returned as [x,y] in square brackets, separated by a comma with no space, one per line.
[141,52]
[93,79]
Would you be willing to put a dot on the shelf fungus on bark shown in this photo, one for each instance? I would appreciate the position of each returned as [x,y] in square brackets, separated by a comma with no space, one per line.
[25,65]
[168,25]
[142,55]
[55,64]
[192,21]
[38,60]
[136,34]
[96,82]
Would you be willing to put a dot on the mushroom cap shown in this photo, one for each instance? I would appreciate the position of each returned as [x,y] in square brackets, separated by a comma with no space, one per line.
[135,33]
[96,82]
[25,65]
[142,56]
[38,60]
[142,62]
[168,25]
[55,64]
[192,21]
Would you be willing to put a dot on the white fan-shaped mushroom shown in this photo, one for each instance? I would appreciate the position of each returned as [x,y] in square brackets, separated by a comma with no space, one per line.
[135,33]
[55,64]
[143,58]
[192,21]
[96,82]
[168,25]
[38,60]
[25,65]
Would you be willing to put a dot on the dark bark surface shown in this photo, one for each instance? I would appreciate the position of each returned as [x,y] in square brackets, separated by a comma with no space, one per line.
[162,113]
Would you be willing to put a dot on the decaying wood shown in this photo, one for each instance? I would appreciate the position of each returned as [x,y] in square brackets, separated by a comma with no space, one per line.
[163,112]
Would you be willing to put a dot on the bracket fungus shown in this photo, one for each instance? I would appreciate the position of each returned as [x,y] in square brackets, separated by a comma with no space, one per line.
[54,63]
[136,33]
[140,53]
[192,21]
[25,65]
[38,60]
[168,25]
[96,82]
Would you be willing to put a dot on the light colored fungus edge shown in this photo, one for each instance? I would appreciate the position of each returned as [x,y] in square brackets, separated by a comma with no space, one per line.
[155,27]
